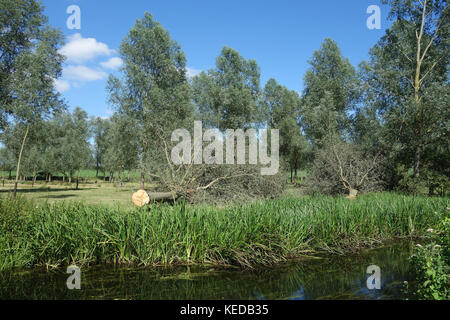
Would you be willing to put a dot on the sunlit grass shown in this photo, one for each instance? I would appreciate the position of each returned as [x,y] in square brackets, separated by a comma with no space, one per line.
[263,233]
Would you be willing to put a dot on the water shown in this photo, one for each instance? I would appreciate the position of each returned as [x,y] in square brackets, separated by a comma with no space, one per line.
[327,278]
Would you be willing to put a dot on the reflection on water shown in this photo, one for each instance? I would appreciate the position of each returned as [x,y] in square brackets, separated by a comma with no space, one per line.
[327,278]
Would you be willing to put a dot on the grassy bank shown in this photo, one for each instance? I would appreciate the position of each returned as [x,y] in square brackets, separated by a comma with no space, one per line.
[262,233]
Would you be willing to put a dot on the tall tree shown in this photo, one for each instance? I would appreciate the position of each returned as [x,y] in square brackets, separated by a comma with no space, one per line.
[408,78]
[329,94]
[154,91]
[31,85]
[21,23]
[228,96]
[282,107]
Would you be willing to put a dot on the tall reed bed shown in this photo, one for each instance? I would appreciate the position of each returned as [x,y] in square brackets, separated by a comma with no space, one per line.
[263,233]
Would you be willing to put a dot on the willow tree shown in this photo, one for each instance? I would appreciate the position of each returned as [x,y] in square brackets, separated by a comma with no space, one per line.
[408,78]
[329,94]
[228,95]
[33,96]
[282,109]
[21,23]
[153,89]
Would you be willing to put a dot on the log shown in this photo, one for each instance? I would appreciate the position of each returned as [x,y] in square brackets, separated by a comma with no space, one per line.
[142,198]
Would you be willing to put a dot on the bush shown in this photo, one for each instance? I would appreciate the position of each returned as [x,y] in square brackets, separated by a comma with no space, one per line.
[430,265]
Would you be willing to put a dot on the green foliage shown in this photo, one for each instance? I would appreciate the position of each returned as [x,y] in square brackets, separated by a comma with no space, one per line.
[330,90]
[282,107]
[406,83]
[228,96]
[121,145]
[153,92]
[260,233]
[431,265]
[21,22]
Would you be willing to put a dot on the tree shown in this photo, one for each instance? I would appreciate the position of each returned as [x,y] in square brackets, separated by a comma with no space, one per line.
[228,96]
[75,148]
[154,91]
[7,161]
[282,107]
[100,130]
[31,89]
[329,94]
[341,167]
[408,77]
[121,145]
[21,24]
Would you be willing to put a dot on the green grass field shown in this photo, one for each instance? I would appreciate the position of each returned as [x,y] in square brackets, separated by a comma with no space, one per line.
[91,190]
[103,193]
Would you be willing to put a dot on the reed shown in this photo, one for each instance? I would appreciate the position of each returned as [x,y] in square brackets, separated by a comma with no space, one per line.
[257,234]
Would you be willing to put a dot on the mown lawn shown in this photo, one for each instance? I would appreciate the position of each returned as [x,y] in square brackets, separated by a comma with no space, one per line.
[102,193]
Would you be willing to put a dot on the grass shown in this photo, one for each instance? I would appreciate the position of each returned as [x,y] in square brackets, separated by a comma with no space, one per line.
[257,234]
[102,193]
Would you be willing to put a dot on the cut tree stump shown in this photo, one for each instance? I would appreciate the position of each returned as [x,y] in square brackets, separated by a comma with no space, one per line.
[353,194]
[141,198]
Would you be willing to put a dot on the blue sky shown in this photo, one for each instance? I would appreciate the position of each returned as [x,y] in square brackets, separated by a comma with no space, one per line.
[281,35]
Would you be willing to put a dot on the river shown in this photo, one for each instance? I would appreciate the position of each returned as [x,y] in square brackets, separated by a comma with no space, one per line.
[335,277]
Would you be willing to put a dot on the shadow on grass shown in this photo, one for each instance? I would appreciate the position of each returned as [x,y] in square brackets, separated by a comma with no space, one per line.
[61,196]
[41,190]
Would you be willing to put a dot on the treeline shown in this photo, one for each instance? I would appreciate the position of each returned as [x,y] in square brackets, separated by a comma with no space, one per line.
[381,125]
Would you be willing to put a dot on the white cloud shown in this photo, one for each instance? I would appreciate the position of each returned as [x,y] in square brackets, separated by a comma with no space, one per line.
[83,73]
[80,49]
[113,63]
[191,72]
[61,85]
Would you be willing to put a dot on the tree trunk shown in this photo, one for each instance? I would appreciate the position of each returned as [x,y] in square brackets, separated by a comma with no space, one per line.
[20,159]
[34,181]
[78,179]
[352,194]
[142,198]
[417,160]
[142,180]
[10,175]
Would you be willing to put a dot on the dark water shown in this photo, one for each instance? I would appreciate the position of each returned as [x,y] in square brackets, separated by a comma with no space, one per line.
[327,278]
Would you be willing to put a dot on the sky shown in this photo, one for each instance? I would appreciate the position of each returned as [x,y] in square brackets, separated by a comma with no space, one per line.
[280,35]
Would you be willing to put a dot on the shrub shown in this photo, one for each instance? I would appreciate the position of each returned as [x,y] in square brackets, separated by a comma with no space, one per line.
[430,265]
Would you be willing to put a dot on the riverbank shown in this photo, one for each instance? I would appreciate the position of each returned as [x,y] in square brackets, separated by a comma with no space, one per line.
[258,234]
